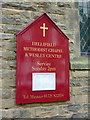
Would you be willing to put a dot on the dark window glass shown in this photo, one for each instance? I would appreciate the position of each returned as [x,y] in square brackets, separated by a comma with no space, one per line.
[84,9]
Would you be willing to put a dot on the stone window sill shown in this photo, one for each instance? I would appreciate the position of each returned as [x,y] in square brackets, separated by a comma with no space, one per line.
[81,63]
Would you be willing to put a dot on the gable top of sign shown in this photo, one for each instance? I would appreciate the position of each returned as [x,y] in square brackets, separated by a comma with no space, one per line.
[37,19]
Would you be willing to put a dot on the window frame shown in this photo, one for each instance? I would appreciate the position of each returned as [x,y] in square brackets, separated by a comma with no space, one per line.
[84,6]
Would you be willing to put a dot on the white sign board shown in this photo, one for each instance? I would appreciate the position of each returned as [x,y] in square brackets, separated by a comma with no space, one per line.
[43,81]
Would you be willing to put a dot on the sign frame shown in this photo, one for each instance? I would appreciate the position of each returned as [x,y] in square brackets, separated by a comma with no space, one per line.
[42,48]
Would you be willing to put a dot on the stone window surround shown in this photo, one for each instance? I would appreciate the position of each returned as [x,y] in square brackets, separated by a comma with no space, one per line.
[78,62]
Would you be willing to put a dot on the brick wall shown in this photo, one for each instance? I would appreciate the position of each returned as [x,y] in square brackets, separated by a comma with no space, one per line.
[15,16]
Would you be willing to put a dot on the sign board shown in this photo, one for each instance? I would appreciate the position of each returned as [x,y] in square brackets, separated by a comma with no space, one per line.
[42,73]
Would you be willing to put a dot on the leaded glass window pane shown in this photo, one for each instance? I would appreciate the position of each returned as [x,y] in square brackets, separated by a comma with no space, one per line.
[84,9]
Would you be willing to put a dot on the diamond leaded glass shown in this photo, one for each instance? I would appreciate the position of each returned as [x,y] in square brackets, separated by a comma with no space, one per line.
[84,8]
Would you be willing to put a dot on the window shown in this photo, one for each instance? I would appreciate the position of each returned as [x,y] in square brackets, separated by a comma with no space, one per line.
[84,10]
